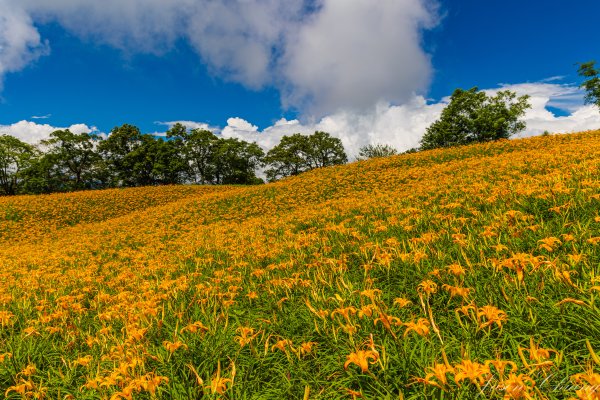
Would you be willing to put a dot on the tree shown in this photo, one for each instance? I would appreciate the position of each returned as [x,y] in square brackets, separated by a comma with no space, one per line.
[288,158]
[298,153]
[235,162]
[169,167]
[43,176]
[196,149]
[75,158]
[592,83]
[15,158]
[135,159]
[473,116]
[324,151]
[117,150]
[375,150]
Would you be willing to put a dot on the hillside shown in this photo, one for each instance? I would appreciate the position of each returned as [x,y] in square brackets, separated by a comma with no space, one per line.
[462,270]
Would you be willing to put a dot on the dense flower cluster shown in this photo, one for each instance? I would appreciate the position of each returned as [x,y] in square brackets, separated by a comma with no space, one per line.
[471,271]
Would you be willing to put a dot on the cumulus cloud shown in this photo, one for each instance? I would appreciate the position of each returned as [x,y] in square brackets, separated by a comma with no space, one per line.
[20,42]
[32,132]
[353,54]
[402,126]
[323,55]
[565,97]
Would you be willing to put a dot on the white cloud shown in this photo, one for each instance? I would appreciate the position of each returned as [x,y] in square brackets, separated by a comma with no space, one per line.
[323,55]
[400,126]
[354,54]
[20,42]
[188,124]
[32,132]
[564,97]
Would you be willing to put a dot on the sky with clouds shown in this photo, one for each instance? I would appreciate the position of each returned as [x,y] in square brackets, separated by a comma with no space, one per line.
[366,71]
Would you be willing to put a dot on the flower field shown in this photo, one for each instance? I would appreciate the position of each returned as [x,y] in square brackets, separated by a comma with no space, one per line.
[454,273]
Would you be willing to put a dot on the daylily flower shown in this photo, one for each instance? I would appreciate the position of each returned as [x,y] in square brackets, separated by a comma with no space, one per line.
[361,358]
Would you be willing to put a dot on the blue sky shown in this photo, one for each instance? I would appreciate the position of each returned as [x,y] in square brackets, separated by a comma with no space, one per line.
[105,87]
[483,43]
[105,67]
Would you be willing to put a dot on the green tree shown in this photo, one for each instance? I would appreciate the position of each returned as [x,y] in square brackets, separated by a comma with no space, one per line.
[324,151]
[376,150]
[43,176]
[473,116]
[196,148]
[591,85]
[235,162]
[16,157]
[298,153]
[75,158]
[288,157]
[118,152]
[168,164]
[135,159]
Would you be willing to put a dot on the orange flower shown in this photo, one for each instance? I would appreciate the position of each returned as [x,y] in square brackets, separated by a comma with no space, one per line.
[174,346]
[517,386]
[457,291]
[438,372]
[421,327]
[549,243]
[489,315]
[306,348]
[361,358]
[246,335]
[428,287]
[281,345]
[402,302]
[83,361]
[345,312]
[456,269]
[473,371]
[195,327]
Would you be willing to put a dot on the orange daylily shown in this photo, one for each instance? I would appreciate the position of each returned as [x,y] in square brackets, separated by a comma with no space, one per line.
[361,358]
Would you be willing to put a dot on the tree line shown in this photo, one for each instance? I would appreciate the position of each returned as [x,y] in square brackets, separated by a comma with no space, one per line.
[67,161]
[126,158]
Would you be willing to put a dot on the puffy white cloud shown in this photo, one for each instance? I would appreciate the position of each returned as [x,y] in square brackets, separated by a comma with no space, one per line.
[565,97]
[353,54]
[323,55]
[402,126]
[398,125]
[32,132]
[20,42]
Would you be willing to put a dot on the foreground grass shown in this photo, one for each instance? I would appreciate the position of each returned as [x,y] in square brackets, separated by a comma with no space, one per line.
[443,274]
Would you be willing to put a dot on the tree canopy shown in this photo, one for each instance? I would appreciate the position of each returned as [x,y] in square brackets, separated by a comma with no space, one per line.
[74,157]
[15,158]
[299,153]
[591,85]
[473,116]
[376,150]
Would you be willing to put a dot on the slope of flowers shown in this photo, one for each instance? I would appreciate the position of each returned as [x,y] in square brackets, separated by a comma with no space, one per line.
[448,274]
[29,217]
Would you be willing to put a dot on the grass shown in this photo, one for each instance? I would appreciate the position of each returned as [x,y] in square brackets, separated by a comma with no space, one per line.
[444,274]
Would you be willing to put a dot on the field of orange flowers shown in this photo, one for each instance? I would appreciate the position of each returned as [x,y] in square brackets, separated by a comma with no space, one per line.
[453,273]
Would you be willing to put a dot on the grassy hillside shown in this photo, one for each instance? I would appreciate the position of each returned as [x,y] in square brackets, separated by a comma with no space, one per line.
[441,274]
